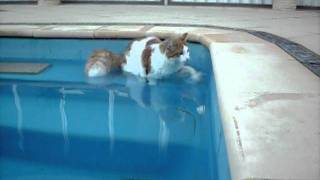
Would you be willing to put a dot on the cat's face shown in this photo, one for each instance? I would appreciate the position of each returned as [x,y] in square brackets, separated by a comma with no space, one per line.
[176,48]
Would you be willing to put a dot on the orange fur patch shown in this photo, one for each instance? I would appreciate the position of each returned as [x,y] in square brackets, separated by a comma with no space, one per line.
[106,58]
[146,60]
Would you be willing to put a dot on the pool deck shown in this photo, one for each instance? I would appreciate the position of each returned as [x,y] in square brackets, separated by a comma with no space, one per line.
[299,26]
[269,102]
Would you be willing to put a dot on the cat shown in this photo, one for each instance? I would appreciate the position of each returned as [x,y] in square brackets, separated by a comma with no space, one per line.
[148,58]
[102,62]
[152,58]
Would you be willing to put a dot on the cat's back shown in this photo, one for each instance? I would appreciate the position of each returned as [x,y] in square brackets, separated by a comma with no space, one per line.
[134,54]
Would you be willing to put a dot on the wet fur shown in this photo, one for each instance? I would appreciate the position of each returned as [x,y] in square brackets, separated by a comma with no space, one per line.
[104,60]
[171,49]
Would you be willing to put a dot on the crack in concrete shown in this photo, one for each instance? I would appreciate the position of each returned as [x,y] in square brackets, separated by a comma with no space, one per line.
[239,141]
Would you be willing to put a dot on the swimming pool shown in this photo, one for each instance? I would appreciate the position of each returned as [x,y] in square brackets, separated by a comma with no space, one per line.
[61,125]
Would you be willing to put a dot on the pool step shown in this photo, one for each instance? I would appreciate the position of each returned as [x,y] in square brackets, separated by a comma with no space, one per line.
[23,68]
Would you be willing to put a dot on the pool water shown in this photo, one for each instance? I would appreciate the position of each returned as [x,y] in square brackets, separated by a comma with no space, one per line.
[60,124]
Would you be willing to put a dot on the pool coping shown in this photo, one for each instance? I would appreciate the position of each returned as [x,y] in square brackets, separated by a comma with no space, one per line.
[263,119]
[302,54]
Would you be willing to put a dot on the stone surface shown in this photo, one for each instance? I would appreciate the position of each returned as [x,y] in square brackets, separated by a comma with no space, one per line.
[262,67]
[269,102]
[21,31]
[270,110]
[264,96]
[294,25]
[302,54]
[23,68]
[233,37]
[66,31]
[120,31]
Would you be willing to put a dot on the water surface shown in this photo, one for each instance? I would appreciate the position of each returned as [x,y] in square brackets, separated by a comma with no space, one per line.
[61,125]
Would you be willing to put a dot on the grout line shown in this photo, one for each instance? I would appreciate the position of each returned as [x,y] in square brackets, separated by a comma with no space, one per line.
[305,56]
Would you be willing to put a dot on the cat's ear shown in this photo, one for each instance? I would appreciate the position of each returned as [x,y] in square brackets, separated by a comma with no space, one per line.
[184,37]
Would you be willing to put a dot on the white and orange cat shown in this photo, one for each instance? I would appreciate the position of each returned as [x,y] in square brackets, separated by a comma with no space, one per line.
[148,58]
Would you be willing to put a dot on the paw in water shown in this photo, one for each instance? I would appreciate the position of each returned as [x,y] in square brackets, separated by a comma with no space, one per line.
[201,109]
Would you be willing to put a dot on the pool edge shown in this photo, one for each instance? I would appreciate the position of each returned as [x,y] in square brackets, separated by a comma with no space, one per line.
[272,86]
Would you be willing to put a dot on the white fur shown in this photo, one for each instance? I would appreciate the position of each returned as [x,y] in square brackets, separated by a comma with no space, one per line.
[185,56]
[133,58]
[97,69]
[161,66]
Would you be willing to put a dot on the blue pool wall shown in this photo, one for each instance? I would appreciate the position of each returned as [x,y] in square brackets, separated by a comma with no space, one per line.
[24,49]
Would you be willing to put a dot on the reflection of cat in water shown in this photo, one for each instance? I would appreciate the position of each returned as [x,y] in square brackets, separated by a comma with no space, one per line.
[174,100]
[178,105]
[173,103]
[148,58]
[151,59]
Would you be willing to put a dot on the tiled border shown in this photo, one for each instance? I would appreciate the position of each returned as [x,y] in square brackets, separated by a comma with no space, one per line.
[264,95]
[302,54]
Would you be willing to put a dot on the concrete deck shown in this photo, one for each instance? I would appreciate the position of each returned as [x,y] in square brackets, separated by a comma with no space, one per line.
[269,102]
[300,26]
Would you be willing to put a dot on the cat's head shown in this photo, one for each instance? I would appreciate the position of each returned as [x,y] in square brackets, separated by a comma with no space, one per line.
[176,48]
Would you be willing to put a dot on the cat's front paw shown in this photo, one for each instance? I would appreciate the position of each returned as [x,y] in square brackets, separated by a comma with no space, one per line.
[190,74]
[196,76]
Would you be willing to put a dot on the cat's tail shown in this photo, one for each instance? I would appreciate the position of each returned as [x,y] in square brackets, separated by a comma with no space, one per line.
[102,62]
[95,69]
